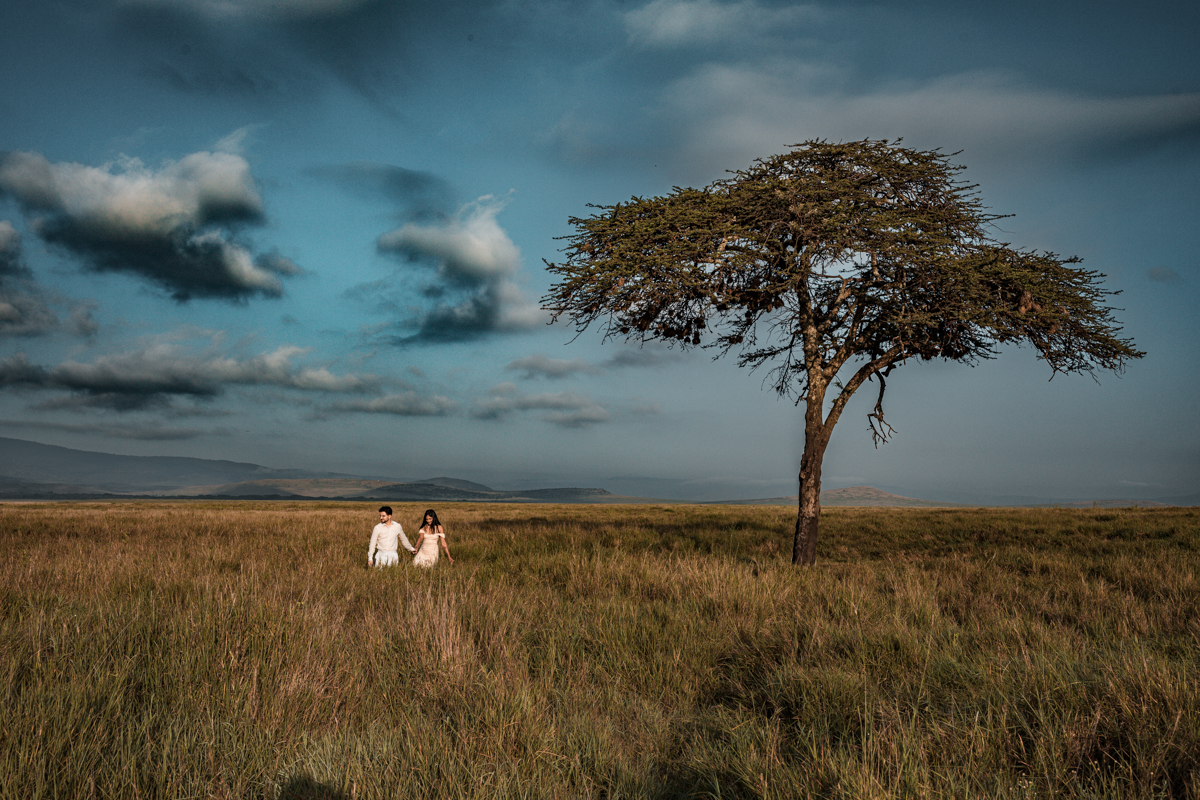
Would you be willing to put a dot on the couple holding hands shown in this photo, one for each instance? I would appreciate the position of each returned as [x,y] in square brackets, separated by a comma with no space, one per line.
[388,536]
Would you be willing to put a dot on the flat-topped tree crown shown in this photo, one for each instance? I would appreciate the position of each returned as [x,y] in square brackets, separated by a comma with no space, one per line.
[863,253]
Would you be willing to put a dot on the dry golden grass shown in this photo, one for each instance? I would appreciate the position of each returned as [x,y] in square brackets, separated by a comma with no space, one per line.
[243,650]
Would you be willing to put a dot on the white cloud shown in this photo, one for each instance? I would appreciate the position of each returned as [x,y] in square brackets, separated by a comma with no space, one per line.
[470,248]
[128,196]
[235,142]
[169,225]
[476,258]
[517,312]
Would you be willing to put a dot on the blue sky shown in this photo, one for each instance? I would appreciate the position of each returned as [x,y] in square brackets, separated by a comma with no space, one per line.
[310,233]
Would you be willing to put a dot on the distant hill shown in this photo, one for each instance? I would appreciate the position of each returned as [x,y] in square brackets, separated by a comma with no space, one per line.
[456,483]
[35,471]
[291,487]
[438,489]
[401,492]
[107,472]
[14,488]
[1108,504]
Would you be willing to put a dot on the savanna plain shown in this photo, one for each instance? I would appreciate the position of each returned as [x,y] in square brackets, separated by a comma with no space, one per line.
[244,650]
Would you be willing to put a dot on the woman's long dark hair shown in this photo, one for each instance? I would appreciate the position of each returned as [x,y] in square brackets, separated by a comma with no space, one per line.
[433,526]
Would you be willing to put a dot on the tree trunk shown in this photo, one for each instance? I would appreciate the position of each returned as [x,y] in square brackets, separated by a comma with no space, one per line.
[804,547]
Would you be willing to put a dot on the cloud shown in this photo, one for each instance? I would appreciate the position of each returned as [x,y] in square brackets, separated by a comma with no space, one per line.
[18,372]
[476,264]
[538,365]
[173,227]
[566,409]
[404,404]
[153,376]
[82,322]
[270,51]
[643,357]
[421,195]
[470,249]
[542,366]
[695,23]
[725,115]
[10,251]
[232,11]
[498,307]
[236,142]
[143,432]
[24,311]
[24,308]
[1164,275]
[578,417]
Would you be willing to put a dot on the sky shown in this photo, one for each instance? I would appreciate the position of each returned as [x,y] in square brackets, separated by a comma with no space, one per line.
[311,233]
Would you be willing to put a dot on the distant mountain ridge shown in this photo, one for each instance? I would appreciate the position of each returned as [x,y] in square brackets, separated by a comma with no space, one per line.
[46,463]
[33,470]
[458,483]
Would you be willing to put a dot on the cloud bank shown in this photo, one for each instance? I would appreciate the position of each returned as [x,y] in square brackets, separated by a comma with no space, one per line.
[538,365]
[175,227]
[566,409]
[731,113]
[153,376]
[403,404]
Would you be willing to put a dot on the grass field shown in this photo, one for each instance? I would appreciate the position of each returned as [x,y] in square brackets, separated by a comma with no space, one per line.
[243,650]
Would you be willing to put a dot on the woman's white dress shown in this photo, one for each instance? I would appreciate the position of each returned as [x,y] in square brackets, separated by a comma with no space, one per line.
[427,555]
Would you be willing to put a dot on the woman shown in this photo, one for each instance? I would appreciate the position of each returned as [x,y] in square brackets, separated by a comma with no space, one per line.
[428,538]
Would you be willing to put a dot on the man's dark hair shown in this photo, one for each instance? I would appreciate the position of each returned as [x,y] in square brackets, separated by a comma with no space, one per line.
[386,509]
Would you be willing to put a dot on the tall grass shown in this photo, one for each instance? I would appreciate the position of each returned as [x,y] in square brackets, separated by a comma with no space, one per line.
[243,650]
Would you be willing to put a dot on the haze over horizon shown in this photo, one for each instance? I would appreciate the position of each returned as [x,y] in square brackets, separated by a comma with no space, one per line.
[309,234]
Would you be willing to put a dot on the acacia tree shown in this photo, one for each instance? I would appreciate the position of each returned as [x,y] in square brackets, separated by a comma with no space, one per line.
[865,254]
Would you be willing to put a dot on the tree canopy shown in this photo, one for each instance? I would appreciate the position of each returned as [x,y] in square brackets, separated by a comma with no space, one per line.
[863,253]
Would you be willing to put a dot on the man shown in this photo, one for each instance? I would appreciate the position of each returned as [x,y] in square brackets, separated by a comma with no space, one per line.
[381,552]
